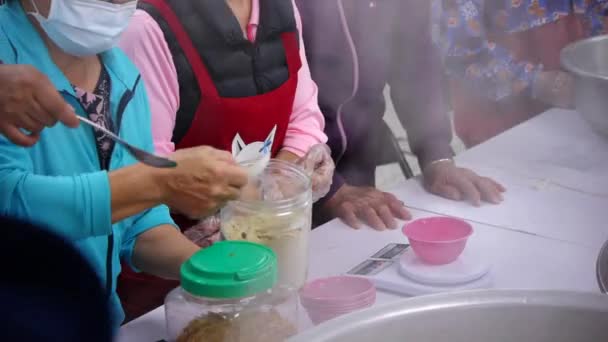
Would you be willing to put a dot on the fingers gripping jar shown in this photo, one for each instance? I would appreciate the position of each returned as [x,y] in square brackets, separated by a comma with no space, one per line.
[279,216]
[227,295]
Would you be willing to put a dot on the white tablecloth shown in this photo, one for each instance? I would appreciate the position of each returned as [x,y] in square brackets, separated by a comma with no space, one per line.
[556,173]
[545,236]
[518,261]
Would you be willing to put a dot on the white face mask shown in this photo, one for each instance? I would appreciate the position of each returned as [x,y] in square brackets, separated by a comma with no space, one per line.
[85,27]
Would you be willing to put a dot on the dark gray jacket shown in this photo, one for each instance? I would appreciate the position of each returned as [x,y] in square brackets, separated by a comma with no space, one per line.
[357,47]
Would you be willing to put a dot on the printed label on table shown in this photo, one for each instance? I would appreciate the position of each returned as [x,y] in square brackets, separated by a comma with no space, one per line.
[391,251]
[370,267]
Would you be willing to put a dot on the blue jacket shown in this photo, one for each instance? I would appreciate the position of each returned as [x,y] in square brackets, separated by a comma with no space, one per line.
[58,182]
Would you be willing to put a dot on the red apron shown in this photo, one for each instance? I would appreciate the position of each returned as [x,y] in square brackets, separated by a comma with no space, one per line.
[216,123]
[477,119]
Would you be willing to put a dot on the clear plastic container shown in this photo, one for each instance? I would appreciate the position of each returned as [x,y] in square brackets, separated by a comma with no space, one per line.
[227,294]
[276,211]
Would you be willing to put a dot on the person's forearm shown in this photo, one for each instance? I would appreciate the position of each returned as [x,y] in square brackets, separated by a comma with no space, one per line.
[416,86]
[73,206]
[134,189]
[161,251]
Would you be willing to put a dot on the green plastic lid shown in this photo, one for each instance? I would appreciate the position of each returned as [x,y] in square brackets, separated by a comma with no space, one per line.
[230,269]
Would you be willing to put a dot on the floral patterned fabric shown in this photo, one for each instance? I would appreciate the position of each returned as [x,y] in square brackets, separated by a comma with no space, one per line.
[97,107]
[466,28]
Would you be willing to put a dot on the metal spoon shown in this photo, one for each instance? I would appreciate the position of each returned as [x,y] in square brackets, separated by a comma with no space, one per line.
[139,154]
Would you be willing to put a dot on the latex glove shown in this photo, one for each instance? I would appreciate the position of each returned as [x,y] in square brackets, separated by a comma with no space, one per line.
[366,205]
[445,179]
[206,232]
[28,100]
[320,166]
[278,187]
[554,88]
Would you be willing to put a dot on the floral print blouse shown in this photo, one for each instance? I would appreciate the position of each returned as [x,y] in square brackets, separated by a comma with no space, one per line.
[97,107]
[489,67]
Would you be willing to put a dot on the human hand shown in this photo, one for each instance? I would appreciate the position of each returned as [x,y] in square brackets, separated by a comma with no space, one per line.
[555,88]
[203,181]
[28,100]
[206,232]
[320,166]
[366,205]
[445,179]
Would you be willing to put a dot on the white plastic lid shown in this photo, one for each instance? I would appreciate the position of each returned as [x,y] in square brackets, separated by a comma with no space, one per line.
[467,268]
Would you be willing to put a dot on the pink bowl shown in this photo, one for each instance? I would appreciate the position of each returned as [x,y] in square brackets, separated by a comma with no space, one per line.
[342,311]
[337,290]
[338,308]
[438,240]
[331,297]
[320,316]
[326,302]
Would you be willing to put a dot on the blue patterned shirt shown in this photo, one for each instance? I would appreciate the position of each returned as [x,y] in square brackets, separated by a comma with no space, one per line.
[491,68]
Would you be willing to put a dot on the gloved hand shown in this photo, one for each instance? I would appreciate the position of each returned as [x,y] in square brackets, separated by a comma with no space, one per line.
[206,232]
[320,167]
[554,88]
[278,186]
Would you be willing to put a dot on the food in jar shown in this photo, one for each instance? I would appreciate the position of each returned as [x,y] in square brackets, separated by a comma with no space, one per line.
[286,235]
[248,326]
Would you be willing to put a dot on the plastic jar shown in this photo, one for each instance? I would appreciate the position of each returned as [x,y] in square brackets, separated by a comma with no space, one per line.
[279,216]
[227,295]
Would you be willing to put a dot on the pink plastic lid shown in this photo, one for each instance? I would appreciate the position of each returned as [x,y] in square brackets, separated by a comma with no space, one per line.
[338,289]
[338,306]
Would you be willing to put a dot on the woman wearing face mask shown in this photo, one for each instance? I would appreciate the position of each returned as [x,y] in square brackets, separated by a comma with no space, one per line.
[503,59]
[225,73]
[76,181]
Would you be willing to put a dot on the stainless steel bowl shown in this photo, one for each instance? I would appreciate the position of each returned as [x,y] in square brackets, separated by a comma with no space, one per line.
[475,316]
[602,268]
[587,60]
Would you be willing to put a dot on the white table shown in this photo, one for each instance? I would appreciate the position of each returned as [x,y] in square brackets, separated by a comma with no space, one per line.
[519,261]
[534,240]
[556,173]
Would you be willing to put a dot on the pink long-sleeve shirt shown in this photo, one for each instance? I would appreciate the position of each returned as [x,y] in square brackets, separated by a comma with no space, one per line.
[145,44]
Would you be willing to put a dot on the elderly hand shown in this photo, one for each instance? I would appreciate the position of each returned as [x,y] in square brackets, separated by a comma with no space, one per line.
[28,100]
[319,165]
[445,179]
[206,232]
[203,181]
[366,205]
[554,88]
